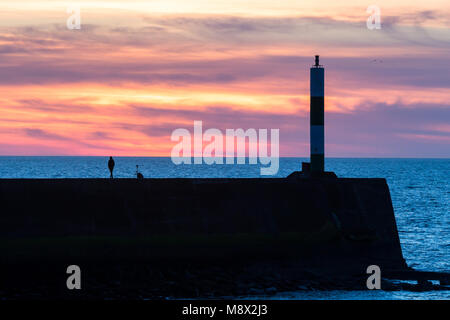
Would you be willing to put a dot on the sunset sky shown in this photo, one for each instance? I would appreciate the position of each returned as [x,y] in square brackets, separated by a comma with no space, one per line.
[137,70]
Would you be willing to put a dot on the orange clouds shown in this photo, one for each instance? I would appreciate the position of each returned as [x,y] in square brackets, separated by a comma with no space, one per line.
[122,83]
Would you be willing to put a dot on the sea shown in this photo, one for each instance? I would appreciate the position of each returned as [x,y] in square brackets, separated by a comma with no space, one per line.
[420,191]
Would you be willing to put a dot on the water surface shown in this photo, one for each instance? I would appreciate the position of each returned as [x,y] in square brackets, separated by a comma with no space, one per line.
[419,189]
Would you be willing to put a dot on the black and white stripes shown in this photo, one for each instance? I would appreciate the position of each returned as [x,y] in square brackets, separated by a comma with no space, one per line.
[317,136]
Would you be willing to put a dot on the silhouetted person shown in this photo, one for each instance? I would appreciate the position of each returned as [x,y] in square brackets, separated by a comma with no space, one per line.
[111,164]
[139,175]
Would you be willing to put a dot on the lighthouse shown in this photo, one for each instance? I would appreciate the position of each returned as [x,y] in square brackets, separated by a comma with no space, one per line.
[317,134]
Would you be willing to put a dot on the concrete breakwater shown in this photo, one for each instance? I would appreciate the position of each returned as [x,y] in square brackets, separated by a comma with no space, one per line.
[311,221]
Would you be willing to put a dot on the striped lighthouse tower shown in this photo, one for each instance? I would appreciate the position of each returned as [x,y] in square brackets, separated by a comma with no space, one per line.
[317,135]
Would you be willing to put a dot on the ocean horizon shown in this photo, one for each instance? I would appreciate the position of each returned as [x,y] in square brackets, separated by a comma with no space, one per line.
[420,191]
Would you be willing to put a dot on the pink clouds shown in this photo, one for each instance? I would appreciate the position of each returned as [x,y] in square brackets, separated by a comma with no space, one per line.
[122,90]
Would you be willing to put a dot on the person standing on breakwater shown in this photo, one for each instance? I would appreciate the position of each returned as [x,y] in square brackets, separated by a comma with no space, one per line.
[111,164]
[139,175]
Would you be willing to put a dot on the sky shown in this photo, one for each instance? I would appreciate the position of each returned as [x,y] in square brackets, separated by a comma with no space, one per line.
[137,70]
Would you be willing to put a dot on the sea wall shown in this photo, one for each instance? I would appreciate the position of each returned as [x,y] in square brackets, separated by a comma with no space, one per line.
[311,220]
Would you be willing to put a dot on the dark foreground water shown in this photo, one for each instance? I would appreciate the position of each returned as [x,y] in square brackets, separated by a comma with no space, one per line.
[420,190]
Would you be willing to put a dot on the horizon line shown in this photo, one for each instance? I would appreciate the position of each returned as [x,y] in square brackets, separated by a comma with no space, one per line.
[293,157]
